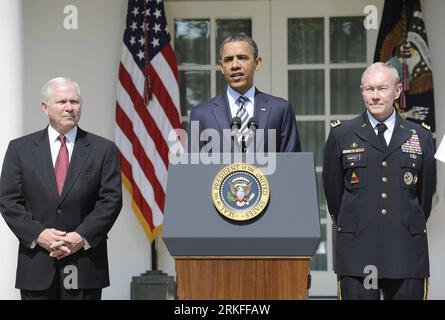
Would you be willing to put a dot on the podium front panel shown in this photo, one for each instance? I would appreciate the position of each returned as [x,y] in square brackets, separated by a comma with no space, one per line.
[289,226]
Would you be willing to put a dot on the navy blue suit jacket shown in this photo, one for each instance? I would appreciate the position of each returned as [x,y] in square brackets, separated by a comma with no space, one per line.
[270,113]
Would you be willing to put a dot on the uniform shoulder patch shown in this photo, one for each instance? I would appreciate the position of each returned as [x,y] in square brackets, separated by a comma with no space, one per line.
[427,127]
[335,123]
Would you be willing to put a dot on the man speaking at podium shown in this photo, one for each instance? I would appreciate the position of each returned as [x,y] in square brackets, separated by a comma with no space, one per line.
[242,108]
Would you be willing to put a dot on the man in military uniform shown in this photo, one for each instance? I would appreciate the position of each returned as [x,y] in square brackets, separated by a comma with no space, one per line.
[379,178]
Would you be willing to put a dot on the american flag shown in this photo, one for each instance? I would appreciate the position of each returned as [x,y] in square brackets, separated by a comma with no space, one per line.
[147,109]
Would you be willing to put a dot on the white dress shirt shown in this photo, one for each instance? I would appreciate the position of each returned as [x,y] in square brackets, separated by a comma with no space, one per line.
[54,142]
[390,124]
[232,97]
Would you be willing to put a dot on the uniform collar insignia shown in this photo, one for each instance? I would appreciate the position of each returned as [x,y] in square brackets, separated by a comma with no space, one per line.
[335,123]
[427,127]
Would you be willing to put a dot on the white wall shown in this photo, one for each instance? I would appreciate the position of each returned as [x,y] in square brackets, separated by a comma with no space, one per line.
[435,24]
[11,64]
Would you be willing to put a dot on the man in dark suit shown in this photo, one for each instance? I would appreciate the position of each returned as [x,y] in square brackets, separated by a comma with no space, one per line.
[60,193]
[210,121]
[379,178]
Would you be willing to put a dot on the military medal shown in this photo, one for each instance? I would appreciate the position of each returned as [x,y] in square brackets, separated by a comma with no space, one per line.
[408,178]
[412,145]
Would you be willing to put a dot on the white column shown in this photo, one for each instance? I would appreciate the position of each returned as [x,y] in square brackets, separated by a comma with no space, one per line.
[11,70]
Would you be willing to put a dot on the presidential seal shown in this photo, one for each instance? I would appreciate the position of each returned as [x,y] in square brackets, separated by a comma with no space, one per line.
[240,192]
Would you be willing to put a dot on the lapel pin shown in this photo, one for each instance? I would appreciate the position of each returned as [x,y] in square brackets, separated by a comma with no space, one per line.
[263,109]
[354,145]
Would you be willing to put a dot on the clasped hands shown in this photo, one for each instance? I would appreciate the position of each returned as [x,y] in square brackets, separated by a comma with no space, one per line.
[60,244]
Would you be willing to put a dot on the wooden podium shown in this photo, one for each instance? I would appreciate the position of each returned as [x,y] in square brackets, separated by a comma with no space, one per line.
[267,258]
[242,278]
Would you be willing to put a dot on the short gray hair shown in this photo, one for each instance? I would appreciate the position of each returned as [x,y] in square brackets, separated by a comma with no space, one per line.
[379,65]
[47,88]
[240,37]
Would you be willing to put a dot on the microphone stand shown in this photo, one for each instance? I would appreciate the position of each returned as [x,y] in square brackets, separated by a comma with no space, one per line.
[243,144]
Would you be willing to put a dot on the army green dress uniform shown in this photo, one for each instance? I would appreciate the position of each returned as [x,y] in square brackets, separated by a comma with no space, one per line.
[379,197]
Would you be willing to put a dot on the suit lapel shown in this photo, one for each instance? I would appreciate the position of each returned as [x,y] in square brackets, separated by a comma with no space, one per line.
[261,114]
[400,135]
[367,133]
[80,155]
[42,154]
[261,109]
[221,112]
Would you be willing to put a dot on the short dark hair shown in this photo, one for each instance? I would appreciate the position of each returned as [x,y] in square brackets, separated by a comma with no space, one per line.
[240,37]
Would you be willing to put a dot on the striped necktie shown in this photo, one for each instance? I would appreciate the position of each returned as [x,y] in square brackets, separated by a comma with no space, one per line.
[242,113]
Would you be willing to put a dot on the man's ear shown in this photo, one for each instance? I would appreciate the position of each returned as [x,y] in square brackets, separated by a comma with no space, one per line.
[221,66]
[399,88]
[258,63]
[45,108]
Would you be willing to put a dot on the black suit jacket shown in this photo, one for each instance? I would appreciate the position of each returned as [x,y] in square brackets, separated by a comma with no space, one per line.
[380,199]
[89,204]
[270,112]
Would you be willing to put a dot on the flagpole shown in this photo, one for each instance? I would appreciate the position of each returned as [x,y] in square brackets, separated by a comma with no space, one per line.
[154,256]
[141,118]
